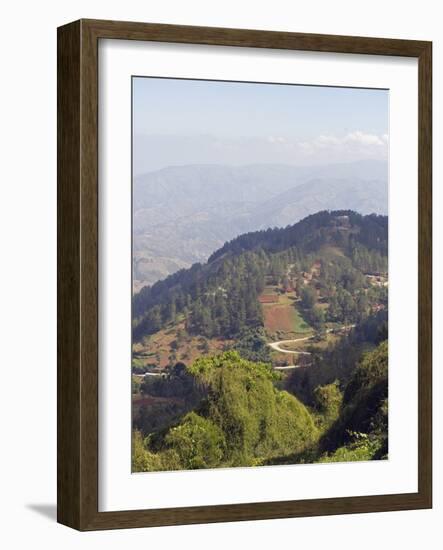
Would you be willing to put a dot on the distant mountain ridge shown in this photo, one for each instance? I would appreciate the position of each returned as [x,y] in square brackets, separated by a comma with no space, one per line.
[364,196]
[183,213]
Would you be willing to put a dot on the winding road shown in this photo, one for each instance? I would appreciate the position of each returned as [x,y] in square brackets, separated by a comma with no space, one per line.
[276,346]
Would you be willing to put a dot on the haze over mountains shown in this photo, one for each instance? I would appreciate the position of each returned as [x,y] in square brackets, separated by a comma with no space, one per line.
[183,213]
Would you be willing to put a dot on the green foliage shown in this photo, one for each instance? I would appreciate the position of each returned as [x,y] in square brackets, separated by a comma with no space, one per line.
[243,420]
[348,307]
[197,441]
[340,360]
[207,369]
[372,370]
[316,318]
[252,345]
[181,393]
[135,385]
[310,232]
[158,416]
[227,410]
[365,403]
[257,419]
[220,298]
[138,366]
[354,422]
[177,384]
[142,459]
[368,261]
[362,447]
[328,400]
[308,297]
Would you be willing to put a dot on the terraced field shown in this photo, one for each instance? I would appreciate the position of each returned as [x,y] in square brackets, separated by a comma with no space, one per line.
[280,314]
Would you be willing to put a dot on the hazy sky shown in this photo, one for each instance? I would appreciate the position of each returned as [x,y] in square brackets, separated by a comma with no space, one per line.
[193,122]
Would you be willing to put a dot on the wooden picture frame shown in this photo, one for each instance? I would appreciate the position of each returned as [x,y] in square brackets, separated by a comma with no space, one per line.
[78,274]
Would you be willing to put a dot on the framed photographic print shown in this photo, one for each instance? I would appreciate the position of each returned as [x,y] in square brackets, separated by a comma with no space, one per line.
[244,275]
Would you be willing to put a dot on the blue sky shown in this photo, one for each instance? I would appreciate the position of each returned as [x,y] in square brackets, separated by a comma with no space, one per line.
[193,121]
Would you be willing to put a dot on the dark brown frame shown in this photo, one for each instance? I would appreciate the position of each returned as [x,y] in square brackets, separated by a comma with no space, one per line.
[77,480]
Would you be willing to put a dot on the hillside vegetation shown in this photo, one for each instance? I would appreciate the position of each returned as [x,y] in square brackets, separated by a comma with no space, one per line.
[221,297]
[273,351]
[243,420]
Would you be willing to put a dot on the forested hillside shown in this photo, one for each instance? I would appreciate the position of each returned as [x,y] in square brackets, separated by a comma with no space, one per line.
[220,298]
[274,351]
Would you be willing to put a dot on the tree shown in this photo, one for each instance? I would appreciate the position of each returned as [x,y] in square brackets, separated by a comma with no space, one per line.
[308,297]
[155,320]
[362,305]
[317,318]
[328,400]
[142,459]
[364,409]
[348,306]
[335,312]
[252,345]
[198,442]
[172,311]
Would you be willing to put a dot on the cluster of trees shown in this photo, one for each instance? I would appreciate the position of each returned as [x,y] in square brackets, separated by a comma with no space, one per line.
[220,298]
[340,271]
[252,344]
[312,312]
[338,361]
[344,307]
[367,260]
[362,425]
[158,415]
[371,231]
[243,420]
[227,302]
[216,300]
[343,285]
[352,417]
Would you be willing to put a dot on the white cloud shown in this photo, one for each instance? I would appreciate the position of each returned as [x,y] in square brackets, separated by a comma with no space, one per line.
[357,137]
[154,152]
[276,139]
[351,146]
[364,139]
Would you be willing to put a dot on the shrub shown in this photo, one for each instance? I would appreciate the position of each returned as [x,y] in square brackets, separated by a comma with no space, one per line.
[328,400]
[197,441]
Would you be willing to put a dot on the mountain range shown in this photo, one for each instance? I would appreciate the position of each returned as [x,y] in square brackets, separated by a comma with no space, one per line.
[181,214]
